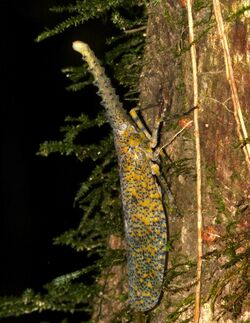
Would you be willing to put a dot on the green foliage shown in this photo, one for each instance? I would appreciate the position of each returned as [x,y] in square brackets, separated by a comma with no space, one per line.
[99,195]
[67,146]
[125,23]
[98,198]
[79,77]
[85,10]
[65,293]
[129,17]
[130,60]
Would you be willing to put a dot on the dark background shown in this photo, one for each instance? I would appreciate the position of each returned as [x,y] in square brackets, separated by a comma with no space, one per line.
[37,193]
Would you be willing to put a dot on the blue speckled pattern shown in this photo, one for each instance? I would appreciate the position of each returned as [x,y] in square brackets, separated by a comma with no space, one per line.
[145,223]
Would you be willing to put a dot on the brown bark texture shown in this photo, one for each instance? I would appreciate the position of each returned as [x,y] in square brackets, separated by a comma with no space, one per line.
[167,74]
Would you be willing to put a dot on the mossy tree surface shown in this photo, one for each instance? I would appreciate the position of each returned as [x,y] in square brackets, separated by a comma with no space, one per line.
[165,73]
[225,184]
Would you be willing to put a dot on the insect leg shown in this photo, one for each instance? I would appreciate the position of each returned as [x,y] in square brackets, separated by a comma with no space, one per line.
[139,123]
[155,132]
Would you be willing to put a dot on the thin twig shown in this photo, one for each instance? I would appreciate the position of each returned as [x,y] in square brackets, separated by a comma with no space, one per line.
[222,103]
[240,124]
[135,30]
[174,137]
[198,164]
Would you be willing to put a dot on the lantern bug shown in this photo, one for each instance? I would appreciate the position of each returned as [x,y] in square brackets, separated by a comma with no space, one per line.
[144,214]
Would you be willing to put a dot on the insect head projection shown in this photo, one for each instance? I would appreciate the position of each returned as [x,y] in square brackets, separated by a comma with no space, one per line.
[144,216]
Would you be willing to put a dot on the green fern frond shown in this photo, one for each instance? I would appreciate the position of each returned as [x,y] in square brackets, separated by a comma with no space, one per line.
[69,8]
[97,177]
[68,147]
[128,56]
[75,74]
[73,21]
[131,45]
[79,77]
[84,122]
[124,23]
[102,215]
[63,294]
[84,11]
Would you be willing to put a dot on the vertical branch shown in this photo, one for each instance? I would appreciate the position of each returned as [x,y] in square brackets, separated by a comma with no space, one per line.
[198,164]
[240,124]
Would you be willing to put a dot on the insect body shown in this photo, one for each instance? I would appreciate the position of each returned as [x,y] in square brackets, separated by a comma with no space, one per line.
[145,221]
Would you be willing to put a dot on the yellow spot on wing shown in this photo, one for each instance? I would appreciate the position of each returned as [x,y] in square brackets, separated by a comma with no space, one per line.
[155,195]
[145,220]
[145,294]
[134,193]
[148,284]
[145,202]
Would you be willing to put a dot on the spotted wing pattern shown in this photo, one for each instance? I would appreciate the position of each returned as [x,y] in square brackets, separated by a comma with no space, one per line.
[145,221]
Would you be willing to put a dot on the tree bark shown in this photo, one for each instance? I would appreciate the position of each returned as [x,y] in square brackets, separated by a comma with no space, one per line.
[225,175]
[167,77]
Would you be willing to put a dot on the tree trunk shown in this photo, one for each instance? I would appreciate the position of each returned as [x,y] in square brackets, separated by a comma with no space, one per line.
[167,77]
